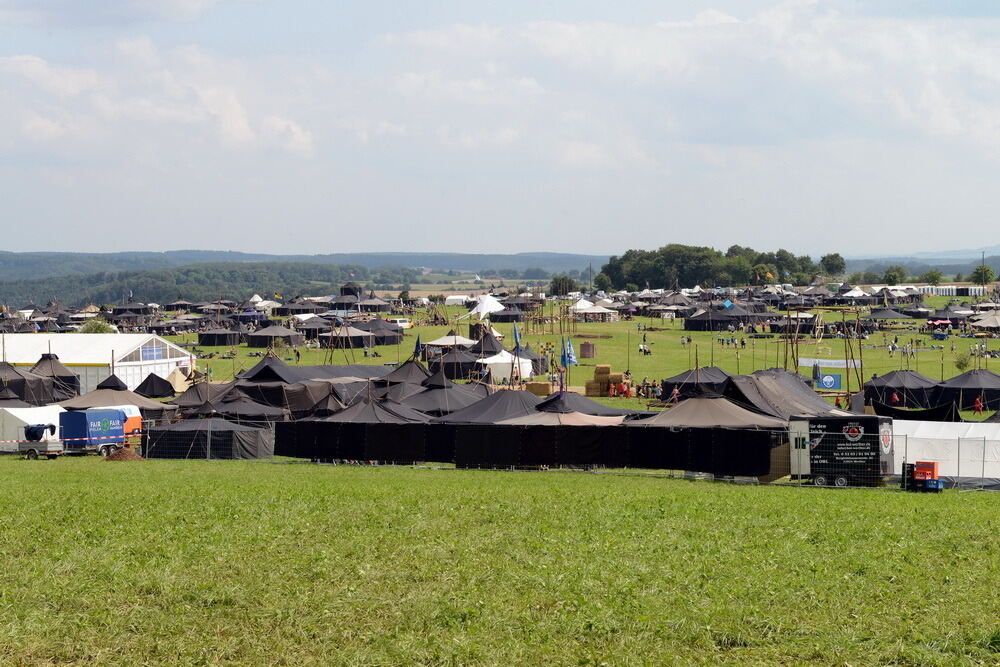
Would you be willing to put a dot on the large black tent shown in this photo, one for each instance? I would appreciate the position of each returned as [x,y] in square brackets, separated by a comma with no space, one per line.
[207,439]
[411,371]
[267,336]
[697,435]
[385,333]
[241,410]
[778,393]
[155,387]
[219,338]
[964,389]
[456,363]
[346,337]
[912,389]
[25,385]
[201,393]
[365,431]
[709,379]
[441,396]
[497,407]
[67,383]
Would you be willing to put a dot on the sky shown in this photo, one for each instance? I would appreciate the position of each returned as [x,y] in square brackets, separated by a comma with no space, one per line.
[315,126]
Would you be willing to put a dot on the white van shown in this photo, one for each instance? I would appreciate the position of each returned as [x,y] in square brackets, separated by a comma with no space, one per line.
[401,322]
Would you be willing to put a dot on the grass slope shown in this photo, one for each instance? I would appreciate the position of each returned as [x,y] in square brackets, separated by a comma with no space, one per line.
[258,563]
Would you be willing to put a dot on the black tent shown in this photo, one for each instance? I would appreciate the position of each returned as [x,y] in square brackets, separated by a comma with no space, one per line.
[697,435]
[497,407]
[201,393]
[241,410]
[568,401]
[9,399]
[411,371]
[487,346]
[964,389]
[709,379]
[219,338]
[911,388]
[385,333]
[938,413]
[67,383]
[456,363]
[441,396]
[778,393]
[155,387]
[27,386]
[207,439]
[268,335]
[112,382]
[365,431]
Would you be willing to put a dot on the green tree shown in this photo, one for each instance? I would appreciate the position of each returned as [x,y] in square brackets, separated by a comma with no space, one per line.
[603,282]
[833,264]
[983,275]
[562,285]
[894,274]
[959,277]
[96,325]
[962,360]
[932,277]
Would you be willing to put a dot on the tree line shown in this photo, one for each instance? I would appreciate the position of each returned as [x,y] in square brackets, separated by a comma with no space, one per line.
[199,282]
[677,265]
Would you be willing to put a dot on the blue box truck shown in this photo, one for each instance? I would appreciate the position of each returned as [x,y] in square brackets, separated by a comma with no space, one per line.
[100,430]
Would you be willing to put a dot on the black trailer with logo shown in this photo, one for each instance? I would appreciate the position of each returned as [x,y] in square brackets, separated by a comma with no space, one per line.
[850,450]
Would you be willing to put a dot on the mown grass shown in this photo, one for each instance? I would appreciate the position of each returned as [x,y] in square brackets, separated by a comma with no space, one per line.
[259,563]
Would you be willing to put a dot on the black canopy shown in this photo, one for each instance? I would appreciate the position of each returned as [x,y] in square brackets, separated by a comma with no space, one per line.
[67,383]
[964,389]
[911,388]
[568,401]
[709,379]
[27,386]
[155,387]
[499,406]
[112,382]
[208,439]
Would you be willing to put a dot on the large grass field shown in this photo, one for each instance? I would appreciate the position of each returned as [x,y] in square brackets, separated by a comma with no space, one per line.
[270,563]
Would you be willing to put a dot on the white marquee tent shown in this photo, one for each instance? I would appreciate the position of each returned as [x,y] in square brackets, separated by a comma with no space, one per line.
[92,356]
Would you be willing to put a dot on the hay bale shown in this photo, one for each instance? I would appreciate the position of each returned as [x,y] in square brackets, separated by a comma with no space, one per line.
[602,369]
[616,378]
[542,389]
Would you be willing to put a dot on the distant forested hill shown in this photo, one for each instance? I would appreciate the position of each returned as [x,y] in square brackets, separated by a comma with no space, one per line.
[20,266]
[198,282]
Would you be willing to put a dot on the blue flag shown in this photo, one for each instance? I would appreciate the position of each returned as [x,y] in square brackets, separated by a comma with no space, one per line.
[418,347]
[563,357]
[727,304]
[570,354]
[517,337]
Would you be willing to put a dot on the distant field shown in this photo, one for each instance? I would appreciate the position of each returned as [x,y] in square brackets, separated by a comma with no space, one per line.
[261,563]
[617,344]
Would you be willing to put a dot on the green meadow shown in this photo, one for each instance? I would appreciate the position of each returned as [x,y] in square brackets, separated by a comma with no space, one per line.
[270,563]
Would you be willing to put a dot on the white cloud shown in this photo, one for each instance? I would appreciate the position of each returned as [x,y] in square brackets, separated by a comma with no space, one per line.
[77,12]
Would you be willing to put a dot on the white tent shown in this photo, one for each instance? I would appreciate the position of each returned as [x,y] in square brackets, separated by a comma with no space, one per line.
[582,304]
[503,364]
[451,341]
[485,304]
[456,300]
[962,449]
[13,421]
[92,356]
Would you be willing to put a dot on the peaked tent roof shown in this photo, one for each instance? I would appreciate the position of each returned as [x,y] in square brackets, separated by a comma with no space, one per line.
[155,387]
[411,371]
[886,314]
[974,379]
[102,398]
[112,382]
[201,393]
[568,401]
[710,412]
[9,399]
[903,379]
[779,393]
[377,412]
[500,405]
